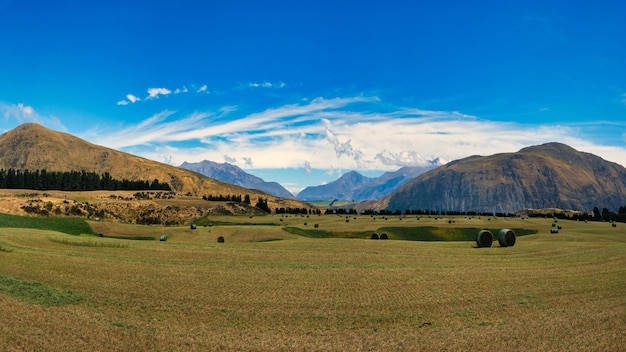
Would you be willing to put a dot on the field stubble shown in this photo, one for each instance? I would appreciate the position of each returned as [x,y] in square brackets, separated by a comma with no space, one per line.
[548,292]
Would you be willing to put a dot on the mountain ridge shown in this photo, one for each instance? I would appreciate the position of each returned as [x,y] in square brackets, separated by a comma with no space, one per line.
[551,175]
[32,146]
[235,175]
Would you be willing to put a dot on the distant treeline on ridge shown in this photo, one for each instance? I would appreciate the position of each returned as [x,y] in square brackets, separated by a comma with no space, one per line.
[72,181]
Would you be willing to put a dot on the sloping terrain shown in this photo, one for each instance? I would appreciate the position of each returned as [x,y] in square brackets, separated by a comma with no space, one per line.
[235,175]
[551,175]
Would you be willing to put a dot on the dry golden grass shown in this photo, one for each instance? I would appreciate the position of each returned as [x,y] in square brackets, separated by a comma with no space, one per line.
[560,292]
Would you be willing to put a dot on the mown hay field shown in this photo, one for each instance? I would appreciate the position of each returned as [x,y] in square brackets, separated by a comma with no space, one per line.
[267,289]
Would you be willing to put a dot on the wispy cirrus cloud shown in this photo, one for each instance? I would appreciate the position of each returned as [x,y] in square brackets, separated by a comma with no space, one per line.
[266,84]
[358,132]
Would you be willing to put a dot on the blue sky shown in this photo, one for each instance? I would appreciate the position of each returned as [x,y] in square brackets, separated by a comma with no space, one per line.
[301,92]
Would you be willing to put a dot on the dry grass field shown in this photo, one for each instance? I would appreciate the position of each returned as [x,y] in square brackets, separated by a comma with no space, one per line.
[265,289]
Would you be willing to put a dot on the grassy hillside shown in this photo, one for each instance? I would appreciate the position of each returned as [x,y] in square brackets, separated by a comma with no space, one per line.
[547,293]
[70,226]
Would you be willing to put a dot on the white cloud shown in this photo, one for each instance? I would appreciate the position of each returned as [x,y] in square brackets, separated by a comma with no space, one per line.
[132,98]
[155,92]
[229,159]
[202,89]
[22,113]
[248,161]
[266,84]
[25,113]
[122,102]
[351,133]
[181,90]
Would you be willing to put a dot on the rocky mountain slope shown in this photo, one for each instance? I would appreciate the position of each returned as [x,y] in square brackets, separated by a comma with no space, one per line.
[551,175]
[34,147]
[235,175]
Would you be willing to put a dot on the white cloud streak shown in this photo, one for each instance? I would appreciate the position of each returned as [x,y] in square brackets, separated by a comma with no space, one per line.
[350,133]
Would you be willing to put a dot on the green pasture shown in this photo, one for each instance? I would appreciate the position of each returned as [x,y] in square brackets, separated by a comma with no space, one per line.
[289,286]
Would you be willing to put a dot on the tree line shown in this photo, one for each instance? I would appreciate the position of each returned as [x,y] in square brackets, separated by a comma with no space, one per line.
[72,181]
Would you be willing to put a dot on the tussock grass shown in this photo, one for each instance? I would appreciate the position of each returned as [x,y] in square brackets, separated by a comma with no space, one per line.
[37,293]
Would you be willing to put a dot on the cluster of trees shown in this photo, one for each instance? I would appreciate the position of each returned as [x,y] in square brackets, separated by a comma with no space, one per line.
[604,215]
[72,181]
[261,203]
[228,198]
[297,211]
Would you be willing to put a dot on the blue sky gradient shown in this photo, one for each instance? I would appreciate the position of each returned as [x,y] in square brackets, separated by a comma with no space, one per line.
[300,92]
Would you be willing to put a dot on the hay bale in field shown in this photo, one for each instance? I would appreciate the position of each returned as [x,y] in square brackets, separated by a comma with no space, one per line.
[193,226]
[220,239]
[384,236]
[484,238]
[316,225]
[559,227]
[553,230]
[163,238]
[375,236]
[614,224]
[506,238]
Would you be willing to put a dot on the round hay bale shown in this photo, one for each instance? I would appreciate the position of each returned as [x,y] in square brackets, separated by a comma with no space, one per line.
[484,238]
[220,239]
[163,238]
[553,230]
[506,238]
[614,224]
[375,236]
[100,235]
[384,236]
[193,226]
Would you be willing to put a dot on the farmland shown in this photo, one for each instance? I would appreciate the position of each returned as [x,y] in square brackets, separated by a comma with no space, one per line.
[277,284]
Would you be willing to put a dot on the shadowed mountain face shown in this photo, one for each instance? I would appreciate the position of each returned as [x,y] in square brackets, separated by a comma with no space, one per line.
[551,175]
[353,186]
[34,147]
[235,175]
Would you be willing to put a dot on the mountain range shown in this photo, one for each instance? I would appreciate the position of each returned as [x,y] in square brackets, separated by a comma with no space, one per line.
[234,174]
[352,186]
[34,147]
[551,175]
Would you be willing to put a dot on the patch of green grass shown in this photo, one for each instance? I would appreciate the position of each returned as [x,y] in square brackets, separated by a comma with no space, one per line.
[431,233]
[37,293]
[139,238]
[316,233]
[90,243]
[71,226]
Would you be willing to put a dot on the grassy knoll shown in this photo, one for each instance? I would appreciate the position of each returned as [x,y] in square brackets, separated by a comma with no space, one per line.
[549,292]
[72,226]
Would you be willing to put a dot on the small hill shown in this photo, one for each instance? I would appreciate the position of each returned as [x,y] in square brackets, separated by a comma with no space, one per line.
[235,175]
[551,175]
[34,147]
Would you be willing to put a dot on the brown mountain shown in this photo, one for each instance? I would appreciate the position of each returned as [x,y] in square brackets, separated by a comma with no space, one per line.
[551,175]
[34,147]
